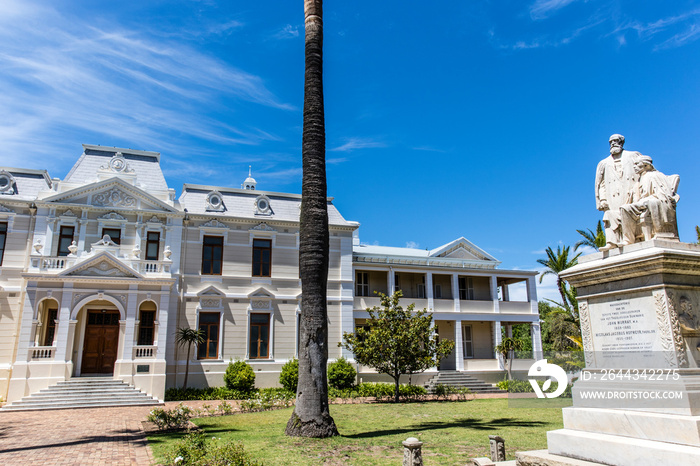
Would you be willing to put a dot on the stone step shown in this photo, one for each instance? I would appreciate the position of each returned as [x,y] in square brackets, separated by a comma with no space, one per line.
[84,392]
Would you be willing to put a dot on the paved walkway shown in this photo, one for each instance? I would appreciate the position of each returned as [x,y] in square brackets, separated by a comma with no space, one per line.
[94,436]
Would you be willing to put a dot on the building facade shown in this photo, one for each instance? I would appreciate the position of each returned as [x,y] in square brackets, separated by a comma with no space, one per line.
[98,271]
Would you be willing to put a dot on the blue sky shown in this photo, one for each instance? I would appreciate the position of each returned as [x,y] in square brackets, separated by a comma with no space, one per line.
[482,119]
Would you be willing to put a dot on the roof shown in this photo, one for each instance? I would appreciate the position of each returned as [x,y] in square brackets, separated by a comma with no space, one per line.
[241,203]
[145,166]
[28,183]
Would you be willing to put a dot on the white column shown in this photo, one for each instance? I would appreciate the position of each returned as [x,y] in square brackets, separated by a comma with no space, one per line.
[459,349]
[429,290]
[455,292]
[497,341]
[163,309]
[493,282]
[509,330]
[62,333]
[24,340]
[536,335]
[82,231]
[50,229]
[390,281]
[129,323]
[532,295]
[506,294]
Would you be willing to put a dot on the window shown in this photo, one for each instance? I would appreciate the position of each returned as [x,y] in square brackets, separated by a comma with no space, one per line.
[420,289]
[115,234]
[209,325]
[3,237]
[437,291]
[51,316]
[212,254]
[259,336]
[466,288]
[262,252]
[397,282]
[147,325]
[152,243]
[467,347]
[362,284]
[65,238]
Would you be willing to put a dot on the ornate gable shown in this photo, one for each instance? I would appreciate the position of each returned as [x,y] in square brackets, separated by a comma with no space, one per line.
[113,193]
[102,264]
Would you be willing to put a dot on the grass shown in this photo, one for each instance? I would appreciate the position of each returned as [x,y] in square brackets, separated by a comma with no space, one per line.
[371,434]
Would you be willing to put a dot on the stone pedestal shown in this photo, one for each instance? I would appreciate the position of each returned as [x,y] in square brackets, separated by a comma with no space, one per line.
[638,400]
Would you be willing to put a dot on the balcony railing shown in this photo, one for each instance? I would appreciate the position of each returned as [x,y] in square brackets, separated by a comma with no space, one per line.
[151,266]
[56,264]
[42,352]
[144,352]
[53,263]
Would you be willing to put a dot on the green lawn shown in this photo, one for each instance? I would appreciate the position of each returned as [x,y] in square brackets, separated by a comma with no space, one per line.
[371,434]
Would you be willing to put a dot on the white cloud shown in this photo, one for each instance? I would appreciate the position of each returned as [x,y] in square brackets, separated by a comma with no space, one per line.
[60,75]
[287,32]
[412,245]
[542,9]
[358,143]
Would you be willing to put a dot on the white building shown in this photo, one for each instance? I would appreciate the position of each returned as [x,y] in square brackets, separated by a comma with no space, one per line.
[100,269]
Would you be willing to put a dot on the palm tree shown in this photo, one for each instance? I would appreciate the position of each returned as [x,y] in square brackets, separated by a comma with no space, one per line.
[507,349]
[311,417]
[595,240]
[557,263]
[189,337]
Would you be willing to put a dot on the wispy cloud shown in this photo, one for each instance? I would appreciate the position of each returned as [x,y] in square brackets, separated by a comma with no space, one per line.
[542,9]
[358,143]
[687,22]
[553,41]
[428,149]
[412,245]
[287,32]
[60,74]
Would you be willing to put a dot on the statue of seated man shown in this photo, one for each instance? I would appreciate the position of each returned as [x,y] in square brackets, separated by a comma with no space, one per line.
[651,205]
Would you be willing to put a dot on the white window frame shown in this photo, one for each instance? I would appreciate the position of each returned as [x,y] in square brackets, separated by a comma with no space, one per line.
[467,343]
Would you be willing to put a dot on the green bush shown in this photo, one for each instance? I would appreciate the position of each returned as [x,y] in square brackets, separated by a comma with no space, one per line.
[523,386]
[341,374]
[239,376]
[289,376]
[167,419]
[211,393]
[196,449]
[378,390]
[268,399]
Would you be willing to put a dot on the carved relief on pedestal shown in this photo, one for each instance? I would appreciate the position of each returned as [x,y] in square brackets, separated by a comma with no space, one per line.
[670,329]
[586,334]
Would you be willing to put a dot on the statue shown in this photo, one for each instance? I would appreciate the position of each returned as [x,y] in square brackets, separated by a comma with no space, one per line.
[614,179]
[639,202]
[651,209]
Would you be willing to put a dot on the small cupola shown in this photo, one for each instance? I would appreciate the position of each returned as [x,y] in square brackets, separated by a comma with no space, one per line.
[249,182]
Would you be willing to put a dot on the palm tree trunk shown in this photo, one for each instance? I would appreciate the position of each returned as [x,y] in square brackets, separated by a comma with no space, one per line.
[311,417]
[560,285]
[187,365]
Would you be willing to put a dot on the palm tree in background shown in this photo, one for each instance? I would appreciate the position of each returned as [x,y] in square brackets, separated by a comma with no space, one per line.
[556,263]
[188,337]
[595,240]
[311,417]
[507,349]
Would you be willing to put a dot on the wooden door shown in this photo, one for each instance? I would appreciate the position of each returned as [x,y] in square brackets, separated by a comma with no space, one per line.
[101,340]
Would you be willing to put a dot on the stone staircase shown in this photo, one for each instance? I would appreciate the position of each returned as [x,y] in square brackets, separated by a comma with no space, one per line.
[84,392]
[461,380]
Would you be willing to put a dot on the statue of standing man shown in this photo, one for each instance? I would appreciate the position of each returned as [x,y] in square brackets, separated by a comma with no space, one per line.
[614,179]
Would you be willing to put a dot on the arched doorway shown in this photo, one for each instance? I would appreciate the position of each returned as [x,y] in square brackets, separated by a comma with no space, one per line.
[100,342]
[99,334]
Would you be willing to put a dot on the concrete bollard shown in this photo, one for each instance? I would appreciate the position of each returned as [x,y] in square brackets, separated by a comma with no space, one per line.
[412,455]
[498,448]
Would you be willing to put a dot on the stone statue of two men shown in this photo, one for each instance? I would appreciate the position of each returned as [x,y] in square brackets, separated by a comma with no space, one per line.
[639,202]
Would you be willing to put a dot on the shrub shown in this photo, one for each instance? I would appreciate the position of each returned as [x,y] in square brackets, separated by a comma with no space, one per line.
[167,419]
[523,386]
[378,390]
[341,374]
[195,449]
[268,399]
[211,393]
[239,376]
[289,376]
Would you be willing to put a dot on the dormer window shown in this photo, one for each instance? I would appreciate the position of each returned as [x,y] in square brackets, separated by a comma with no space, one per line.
[7,183]
[215,202]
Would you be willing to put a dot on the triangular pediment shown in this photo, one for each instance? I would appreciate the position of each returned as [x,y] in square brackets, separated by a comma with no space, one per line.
[113,193]
[103,265]
[211,291]
[261,293]
[463,249]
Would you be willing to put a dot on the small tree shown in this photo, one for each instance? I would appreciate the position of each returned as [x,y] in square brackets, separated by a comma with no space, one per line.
[289,375]
[239,376]
[397,341]
[507,349]
[341,374]
[189,337]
